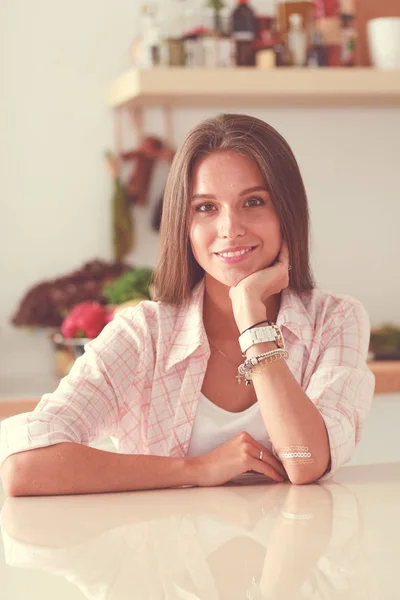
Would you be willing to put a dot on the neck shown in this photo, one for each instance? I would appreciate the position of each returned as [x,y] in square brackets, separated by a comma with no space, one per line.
[219,321]
[218,317]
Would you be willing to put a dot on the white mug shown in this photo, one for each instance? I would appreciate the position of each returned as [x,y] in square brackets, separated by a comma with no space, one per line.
[384,42]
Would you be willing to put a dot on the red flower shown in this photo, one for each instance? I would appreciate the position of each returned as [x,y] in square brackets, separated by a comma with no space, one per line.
[86,319]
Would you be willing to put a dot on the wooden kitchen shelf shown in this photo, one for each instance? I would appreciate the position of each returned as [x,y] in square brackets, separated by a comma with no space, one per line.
[11,407]
[179,86]
[387,376]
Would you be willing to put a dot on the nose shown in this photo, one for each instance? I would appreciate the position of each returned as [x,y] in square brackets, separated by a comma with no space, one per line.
[230,225]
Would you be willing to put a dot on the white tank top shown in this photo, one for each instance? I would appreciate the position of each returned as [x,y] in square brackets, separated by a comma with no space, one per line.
[213,426]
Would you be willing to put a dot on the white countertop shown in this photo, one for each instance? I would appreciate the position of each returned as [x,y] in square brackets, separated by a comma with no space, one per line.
[335,540]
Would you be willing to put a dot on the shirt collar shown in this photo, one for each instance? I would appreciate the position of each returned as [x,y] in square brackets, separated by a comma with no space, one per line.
[189,333]
[294,316]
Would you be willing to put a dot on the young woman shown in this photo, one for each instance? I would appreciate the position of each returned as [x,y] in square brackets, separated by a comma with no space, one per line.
[240,365]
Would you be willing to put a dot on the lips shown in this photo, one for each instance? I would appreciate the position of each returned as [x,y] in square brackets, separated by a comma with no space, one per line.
[235,251]
[235,255]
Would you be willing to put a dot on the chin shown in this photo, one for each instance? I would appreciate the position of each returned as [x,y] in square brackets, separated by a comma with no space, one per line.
[230,278]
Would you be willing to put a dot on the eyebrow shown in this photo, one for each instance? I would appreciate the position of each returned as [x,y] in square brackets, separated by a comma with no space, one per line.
[257,188]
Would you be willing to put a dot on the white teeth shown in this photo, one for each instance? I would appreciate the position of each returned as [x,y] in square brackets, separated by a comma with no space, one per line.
[238,253]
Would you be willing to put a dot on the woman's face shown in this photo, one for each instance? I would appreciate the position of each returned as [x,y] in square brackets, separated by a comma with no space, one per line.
[234,229]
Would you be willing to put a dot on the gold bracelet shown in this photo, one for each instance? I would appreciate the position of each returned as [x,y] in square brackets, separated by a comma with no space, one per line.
[279,354]
[262,362]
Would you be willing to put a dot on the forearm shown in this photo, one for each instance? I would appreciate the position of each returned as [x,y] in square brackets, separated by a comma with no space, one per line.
[291,418]
[70,468]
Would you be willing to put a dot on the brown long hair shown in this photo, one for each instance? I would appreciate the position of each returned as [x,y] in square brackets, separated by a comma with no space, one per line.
[178,272]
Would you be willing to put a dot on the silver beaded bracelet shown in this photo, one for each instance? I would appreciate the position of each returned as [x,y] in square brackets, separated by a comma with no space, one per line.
[246,369]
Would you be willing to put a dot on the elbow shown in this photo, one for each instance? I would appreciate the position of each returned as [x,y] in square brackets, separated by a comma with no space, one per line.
[12,476]
[301,477]
[312,473]
[302,480]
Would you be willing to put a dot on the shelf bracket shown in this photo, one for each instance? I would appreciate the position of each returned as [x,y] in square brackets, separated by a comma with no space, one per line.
[168,126]
[136,115]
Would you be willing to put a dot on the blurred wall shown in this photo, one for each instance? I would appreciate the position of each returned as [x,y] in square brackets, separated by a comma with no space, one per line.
[56,61]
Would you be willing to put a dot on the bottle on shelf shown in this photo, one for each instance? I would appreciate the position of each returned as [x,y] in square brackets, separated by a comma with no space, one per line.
[326,9]
[210,49]
[297,40]
[217,43]
[225,51]
[283,54]
[146,49]
[349,35]
[264,43]
[193,47]
[265,31]
[217,6]
[173,47]
[328,23]
[243,25]
[317,53]
[285,8]
[193,33]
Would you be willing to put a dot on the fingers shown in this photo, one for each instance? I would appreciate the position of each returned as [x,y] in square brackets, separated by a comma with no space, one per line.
[269,465]
[259,466]
[269,459]
[276,464]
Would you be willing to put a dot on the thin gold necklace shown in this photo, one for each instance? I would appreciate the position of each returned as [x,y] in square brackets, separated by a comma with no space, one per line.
[222,354]
[237,377]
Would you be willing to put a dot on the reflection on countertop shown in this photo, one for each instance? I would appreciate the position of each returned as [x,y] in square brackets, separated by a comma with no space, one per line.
[334,540]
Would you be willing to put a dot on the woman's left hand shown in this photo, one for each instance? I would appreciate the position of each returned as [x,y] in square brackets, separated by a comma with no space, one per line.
[253,291]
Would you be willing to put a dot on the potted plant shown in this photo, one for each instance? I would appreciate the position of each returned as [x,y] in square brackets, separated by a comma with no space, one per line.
[217,6]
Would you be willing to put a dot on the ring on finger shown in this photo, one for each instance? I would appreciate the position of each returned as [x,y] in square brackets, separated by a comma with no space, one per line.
[261,455]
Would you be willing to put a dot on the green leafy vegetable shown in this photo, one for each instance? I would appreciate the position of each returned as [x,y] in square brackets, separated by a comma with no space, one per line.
[133,284]
[385,339]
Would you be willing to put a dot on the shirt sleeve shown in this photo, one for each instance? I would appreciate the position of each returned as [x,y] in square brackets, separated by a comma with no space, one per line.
[342,385]
[86,405]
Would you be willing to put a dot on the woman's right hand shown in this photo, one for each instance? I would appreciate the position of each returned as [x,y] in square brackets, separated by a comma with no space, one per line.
[238,456]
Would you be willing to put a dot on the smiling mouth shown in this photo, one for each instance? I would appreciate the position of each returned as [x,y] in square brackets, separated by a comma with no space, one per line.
[235,254]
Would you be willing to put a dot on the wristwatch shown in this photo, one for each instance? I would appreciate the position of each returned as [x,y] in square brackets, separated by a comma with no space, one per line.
[258,335]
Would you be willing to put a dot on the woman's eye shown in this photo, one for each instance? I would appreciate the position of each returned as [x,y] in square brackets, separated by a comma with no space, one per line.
[206,207]
[254,201]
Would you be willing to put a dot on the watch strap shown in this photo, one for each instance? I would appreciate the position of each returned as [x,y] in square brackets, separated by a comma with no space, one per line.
[258,335]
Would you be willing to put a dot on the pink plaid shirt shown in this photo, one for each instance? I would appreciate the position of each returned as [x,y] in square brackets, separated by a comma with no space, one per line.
[139,381]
